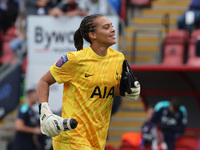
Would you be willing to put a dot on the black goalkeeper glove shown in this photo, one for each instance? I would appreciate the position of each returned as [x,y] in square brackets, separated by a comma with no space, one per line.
[129,85]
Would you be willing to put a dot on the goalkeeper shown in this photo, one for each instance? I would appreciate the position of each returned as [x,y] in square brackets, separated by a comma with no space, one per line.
[91,77]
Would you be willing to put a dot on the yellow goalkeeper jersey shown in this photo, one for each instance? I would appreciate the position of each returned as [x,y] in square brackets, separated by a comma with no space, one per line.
[89,84]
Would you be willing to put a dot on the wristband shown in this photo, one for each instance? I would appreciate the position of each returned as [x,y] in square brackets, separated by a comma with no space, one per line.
[39,107]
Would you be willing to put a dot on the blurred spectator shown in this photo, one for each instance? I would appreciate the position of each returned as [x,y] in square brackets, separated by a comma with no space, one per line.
[29,7]
[147,128]
[67,8]
[170,118]
[39,7]
[152,138]
[9,10]
[190,19]
[16,42]
[96,6]
[26,125]
[82,8]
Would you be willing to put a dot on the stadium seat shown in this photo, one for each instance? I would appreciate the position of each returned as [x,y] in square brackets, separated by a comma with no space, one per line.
[110,147]
[192,43]
[10,34]
[193,61]
[177,36]
[140,2]
[174,52]
[7,54]
[186,142]
[131,141]
[192,58]
[126,145]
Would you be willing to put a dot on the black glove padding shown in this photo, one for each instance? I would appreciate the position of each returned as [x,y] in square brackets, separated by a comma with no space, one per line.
[128,79]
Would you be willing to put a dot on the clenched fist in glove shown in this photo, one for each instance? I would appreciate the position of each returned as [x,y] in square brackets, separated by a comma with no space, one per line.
[52,125]
[129,86]
[135,92]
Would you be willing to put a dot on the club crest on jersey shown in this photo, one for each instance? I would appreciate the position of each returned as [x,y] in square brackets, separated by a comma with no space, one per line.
[117,75]
[63,59]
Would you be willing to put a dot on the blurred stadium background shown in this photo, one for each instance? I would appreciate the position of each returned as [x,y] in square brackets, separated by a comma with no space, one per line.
[144,27]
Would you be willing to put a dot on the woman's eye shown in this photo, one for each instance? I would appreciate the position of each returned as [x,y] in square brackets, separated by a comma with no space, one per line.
[108,27]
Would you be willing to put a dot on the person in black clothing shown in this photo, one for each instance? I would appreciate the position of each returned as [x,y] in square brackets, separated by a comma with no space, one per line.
[147,128]
[9,11]
[8,14]
[171,121]
[68,8]
[152,138]
[26,125]
[193,14]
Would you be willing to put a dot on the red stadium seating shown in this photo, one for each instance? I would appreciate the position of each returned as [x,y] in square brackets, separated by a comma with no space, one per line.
[173,54]
[10,34]
[126,145]
[186,142]
[192,43]
[177,36]
[109,147]
[174,47]
[7,53]
[140,2]
[193,59]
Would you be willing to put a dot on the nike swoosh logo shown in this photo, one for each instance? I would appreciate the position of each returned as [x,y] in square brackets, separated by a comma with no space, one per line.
[88,75]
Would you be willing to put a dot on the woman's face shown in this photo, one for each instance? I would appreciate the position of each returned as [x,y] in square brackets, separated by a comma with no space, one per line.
[104,31]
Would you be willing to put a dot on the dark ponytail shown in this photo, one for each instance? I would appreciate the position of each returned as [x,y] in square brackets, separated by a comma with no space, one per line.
[87,25]
[78,40]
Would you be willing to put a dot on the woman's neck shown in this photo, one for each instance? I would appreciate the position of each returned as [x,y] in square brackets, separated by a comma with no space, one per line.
[99,50]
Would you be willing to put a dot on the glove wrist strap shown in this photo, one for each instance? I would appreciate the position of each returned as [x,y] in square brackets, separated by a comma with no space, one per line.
[39,107]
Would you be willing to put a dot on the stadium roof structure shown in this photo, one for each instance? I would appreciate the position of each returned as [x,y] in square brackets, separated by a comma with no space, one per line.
[163,82]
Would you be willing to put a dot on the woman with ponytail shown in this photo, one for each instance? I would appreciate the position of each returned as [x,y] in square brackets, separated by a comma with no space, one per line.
[91,77]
